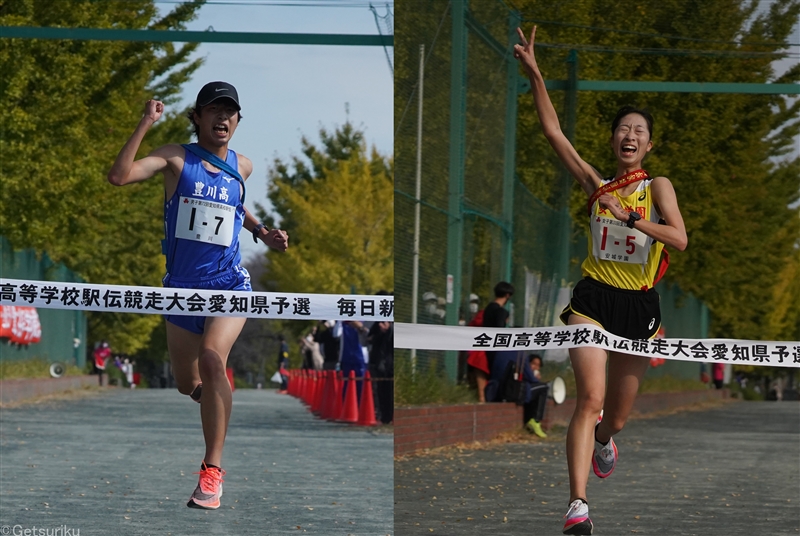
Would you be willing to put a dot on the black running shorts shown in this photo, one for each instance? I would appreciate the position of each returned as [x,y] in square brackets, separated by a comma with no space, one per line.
[633,314]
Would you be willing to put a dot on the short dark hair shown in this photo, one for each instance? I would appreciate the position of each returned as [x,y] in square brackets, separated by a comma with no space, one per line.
[628,109]
[503,288]
[535,356]
[199,111]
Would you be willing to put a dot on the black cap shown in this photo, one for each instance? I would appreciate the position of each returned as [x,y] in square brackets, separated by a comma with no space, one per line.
[217,90]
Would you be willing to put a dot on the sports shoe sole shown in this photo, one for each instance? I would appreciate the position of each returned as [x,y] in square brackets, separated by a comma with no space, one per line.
[596,467]
[192,504]
[579,529]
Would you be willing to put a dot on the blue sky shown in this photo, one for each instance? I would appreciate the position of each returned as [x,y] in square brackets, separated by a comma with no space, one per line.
[290,91]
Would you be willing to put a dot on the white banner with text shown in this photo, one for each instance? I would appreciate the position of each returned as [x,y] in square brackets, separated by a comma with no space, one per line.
[189,302]
[728,351]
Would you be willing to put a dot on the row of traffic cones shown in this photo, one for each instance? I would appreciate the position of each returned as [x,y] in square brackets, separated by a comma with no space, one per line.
[322,391]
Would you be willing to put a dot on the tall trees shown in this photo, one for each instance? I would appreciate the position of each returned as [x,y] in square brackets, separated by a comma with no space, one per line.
[726,154]
[336,203]
[337,206]
[70,106]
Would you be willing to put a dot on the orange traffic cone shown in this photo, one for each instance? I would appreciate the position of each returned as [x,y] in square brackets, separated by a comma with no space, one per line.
[298,384]
[306,387]
[290,383]
[311,386]
[316,408]
[312,395]
[337,395]
[327,395]
[350,409]
[366,413]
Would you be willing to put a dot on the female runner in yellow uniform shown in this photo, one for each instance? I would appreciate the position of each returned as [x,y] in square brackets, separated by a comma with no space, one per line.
[629,227]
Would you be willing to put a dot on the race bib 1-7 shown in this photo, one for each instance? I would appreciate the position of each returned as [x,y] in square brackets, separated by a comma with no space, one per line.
[205,221]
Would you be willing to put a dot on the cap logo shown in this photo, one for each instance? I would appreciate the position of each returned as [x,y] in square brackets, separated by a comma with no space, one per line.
[221,89]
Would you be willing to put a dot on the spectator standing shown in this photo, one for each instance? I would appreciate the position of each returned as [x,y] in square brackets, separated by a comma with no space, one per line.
[102,353]
[305,351]
[283,363]
[127,369]
[351,351]
[312,357]
[381,364]
[718,374]
[495,314]
[329,344]
[477,362]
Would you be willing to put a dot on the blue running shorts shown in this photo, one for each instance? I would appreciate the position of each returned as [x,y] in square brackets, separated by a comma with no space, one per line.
[236,279]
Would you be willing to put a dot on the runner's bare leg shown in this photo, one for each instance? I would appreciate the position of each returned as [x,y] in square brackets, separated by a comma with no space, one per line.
[215,404]
[184,349]
[625,373]
[589,365]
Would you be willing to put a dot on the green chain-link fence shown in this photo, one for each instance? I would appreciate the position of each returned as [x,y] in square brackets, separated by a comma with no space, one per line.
[478,222]
[63,332]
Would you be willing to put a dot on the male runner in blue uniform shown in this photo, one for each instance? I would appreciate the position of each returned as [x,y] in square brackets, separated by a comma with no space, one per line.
[201,256]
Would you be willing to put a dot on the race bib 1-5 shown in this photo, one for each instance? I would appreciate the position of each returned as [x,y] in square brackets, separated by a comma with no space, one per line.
[612,240]
[205,221]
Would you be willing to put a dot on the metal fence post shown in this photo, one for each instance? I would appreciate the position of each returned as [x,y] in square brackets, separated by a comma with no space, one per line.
[509,148]
[455,220]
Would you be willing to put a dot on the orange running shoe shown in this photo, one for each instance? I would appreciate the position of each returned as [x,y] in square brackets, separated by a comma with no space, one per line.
[209,489]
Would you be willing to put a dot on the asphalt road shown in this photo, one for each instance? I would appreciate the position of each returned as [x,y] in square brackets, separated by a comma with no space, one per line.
[732,470]
[122,463]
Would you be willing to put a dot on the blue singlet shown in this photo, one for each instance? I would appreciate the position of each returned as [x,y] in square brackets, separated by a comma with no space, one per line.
[192,260]
[198,264]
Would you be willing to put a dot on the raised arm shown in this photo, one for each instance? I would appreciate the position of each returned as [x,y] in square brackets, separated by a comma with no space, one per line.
[585,174]
[126,170]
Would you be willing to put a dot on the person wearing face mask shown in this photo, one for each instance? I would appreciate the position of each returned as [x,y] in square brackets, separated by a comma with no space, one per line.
[204,211]
[632,216]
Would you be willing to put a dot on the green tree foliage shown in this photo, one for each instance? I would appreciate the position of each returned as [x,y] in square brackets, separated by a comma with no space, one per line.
[783,321]
[337,206]
[720,151]
[336,203]
[728,155]
[71,105]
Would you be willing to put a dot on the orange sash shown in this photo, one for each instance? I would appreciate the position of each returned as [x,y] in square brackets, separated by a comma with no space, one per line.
[630,178]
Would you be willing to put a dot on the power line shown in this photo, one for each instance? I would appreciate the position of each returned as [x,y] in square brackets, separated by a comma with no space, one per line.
[280,3]
[663,36]
[385,22]
[668,51]
[645,34]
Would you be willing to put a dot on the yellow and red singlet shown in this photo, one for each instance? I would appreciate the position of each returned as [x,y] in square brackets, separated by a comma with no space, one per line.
[619,256]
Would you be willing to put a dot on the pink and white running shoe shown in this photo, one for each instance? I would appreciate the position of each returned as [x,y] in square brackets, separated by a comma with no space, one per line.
[578,522]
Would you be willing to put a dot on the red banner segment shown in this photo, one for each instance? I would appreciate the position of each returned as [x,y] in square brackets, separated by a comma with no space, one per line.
[20,325]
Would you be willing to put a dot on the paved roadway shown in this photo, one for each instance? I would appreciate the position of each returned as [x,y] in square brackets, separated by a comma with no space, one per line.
[122,463]
[732,470]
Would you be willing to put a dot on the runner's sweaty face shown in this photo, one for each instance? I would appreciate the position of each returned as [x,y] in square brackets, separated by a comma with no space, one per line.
[217,121]
[631,140]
